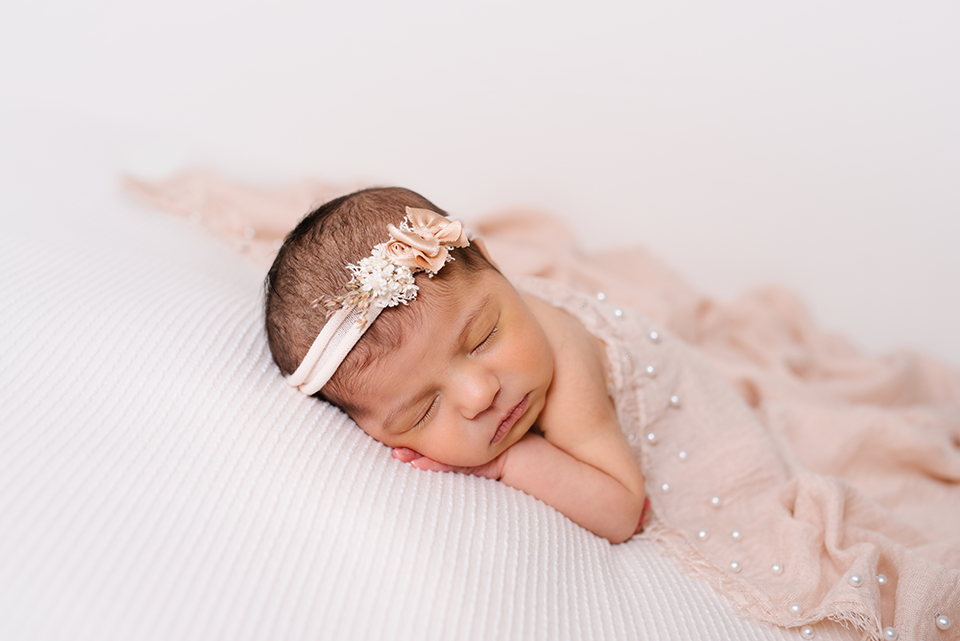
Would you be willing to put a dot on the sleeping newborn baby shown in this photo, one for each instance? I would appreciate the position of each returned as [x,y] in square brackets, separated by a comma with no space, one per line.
[380,304]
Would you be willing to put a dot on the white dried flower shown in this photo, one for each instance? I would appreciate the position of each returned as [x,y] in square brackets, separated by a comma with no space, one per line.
[381,282]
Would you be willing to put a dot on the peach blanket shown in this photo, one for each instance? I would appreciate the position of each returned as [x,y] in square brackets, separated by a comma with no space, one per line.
[859,455]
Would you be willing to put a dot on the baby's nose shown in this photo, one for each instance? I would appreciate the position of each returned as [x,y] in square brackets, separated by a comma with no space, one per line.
[479,389]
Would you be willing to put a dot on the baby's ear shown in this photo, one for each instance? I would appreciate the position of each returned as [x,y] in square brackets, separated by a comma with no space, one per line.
[483,250]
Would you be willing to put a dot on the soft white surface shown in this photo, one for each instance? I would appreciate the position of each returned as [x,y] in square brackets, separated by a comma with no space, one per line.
[810,143]
[159,480]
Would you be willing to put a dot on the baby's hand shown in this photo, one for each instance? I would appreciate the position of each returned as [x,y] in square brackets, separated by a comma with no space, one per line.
[492,470]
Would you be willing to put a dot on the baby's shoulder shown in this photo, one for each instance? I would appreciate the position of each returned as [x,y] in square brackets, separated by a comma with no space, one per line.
[554,292]
[643,361]
[578,394]
[587,309]
[571,341]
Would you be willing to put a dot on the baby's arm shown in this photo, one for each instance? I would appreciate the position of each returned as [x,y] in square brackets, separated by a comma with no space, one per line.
[587,495]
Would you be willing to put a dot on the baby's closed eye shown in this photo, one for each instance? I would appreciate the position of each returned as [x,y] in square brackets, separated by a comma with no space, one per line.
[427,415]
[487,340]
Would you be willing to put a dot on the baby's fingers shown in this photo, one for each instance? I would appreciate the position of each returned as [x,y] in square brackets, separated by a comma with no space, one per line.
[429,465]
[404,454]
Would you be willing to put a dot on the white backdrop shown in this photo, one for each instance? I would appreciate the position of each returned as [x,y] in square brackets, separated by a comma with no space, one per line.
[815,144]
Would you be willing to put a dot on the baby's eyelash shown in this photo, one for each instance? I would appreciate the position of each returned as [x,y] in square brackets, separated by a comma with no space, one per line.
[487,340]
[429,414]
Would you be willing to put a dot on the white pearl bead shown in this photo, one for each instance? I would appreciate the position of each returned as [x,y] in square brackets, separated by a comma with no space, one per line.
[675,401]
[796,609]
[682,455]
[882,579]
[777,569]
[652,438]
[855,580]
[665,487]
[735,535]
[735,566]
[807,632]
[715,501]
[651,371]
[703,535]
[655,337]
[601,296]
[890,634]
[249,232]
[632,437]
[943,622]
[618,312]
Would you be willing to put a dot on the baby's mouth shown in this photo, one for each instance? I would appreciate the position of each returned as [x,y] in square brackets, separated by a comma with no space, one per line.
[509,420]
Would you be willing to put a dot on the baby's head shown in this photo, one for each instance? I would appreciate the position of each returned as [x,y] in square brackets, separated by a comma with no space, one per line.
[462,351]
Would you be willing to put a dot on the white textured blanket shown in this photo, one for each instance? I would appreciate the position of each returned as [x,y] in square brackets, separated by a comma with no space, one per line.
[158,480]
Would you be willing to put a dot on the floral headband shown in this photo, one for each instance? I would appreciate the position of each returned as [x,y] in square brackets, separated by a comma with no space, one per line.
[383,279]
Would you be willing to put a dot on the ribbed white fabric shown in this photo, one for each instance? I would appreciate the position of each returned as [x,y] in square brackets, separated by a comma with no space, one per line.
[160,480]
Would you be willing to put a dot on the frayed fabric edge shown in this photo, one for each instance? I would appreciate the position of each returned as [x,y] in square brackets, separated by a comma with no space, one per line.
[750,602]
